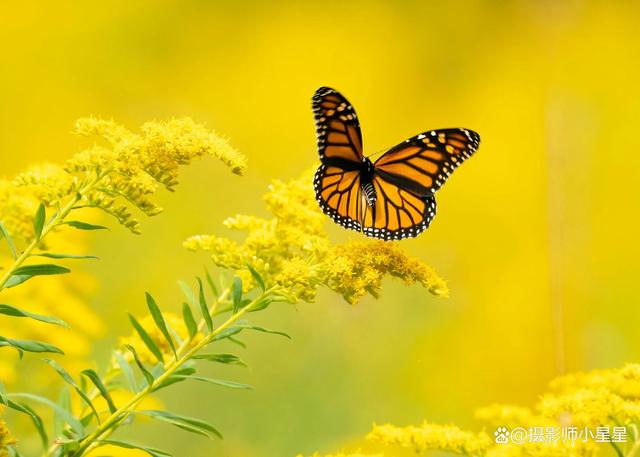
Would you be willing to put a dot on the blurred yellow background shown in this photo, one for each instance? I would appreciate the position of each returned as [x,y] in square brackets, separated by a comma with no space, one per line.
[537,234]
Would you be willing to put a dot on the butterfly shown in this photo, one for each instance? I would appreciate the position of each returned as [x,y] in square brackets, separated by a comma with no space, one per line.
[393,197]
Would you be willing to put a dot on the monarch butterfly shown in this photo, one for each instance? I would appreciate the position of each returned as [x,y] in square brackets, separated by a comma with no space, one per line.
[393,197]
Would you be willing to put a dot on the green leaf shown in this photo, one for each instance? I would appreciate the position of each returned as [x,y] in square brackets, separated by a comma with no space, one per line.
[212,285]
[186,423]
[219,382]
[37,421]
[256,276]
[85,226]
[128,445]
[178,376]
[204,308]
[54,255]
[13,452]
[146,338]
[97,382]
[186,290]
[126,371]
[74,423]
[5,233]
[38,221]
[160,323]
[69,380]
[147,376]
[261,304]
[236,293]
[29,345]
[262,329]
[227,333]
[27,272]
[64,401]
[228,359]
[189,321]
[9,310]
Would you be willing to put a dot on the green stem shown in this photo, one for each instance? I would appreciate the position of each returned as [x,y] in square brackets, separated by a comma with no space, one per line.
[107,426]
[55,221]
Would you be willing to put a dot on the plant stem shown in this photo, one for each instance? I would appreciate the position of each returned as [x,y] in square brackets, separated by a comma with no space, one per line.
[55,221]
[107,426]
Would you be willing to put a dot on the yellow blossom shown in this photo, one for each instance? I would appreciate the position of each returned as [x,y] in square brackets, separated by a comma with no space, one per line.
[431,436]
[343,454]
[292,251]
[5,438]
[498,415]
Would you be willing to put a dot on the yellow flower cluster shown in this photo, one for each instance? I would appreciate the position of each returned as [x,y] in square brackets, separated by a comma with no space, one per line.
[431,436]
[5,438]
[126,170]
[342,454]
[584,401]
[292,250]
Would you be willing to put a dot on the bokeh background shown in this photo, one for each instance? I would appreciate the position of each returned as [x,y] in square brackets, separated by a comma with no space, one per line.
[537,234]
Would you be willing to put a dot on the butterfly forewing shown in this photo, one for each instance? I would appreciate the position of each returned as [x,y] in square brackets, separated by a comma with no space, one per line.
[337,127]
[423,163]
[337,182]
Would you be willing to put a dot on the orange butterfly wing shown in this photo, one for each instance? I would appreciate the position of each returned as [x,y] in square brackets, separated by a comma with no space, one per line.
[406,178]
[337,182]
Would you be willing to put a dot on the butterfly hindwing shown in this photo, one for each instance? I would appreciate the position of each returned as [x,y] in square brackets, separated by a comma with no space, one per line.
[397,213]
[339,194]
[337,127]
[423,163]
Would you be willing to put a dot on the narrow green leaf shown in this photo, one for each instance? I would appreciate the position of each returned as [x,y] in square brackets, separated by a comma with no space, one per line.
[147,376]
[146,338]
[128,445]
[27,272]
[236,293]
[262,329]
[229,332]
[212,284]
[189,321]
[257,277]
[13,452]
[5,233]
[37,421]
[69,380]
[228,359]
[9,310]
[95,379]
[237,341]
[85,226]
[186,423]
[126,371]
[29,345]
[159,320]
[186,290]
[38,221]
[74,423]
[219,382]
[55,255]
[181,374]
[204,308]
[64,401]
[263,303]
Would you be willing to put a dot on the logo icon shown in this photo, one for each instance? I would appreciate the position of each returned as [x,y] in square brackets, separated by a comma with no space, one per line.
[502,435]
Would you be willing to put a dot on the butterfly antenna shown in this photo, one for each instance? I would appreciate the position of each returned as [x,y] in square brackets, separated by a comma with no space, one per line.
[381,151]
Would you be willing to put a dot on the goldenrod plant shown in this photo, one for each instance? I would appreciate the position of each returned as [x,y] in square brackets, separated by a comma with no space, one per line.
[582,415]
[283,259]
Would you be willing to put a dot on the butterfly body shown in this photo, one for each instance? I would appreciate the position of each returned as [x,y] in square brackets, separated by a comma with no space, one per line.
[393,197]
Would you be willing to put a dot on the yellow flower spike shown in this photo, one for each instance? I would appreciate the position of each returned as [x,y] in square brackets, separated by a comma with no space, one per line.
[430,436]
[5,437]
[292,250]
[343,454]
